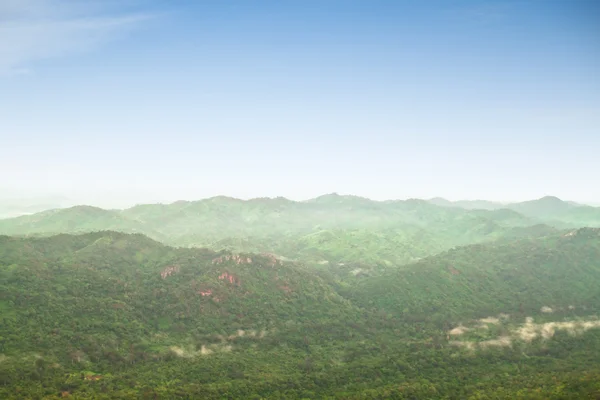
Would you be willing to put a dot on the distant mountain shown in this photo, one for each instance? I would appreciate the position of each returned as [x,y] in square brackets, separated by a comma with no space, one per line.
[331,228]
[549,210]
[555,211]
[222,217]
[467,204]
[543,207]
[73,220]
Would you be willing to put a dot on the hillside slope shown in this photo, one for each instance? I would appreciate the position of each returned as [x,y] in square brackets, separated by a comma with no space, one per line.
[78,219]
[222,217]
[331,228]
[515,277]
[554,211]
[110,315]
[132,278]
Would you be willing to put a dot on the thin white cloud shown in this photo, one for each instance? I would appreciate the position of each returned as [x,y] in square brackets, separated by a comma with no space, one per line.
[33,30]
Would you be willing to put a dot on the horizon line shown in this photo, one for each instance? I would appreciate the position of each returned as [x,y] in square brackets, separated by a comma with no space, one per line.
[330,194]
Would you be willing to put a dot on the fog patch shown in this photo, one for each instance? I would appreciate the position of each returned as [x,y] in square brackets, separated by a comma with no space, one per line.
[224,347]
[490,320]
[530,330]
[526,332]
[178,351]
[466,345]
[459,330]
[503,341]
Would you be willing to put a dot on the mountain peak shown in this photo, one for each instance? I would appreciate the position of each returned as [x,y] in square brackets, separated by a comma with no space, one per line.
[439,200]
[550,199]
[82,210]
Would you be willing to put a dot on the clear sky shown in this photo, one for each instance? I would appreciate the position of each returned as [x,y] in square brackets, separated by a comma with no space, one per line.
[128,101]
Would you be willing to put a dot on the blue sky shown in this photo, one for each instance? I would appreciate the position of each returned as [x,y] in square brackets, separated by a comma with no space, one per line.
[139,101]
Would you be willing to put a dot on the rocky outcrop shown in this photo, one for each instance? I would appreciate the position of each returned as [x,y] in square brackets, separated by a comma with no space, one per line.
[169,271]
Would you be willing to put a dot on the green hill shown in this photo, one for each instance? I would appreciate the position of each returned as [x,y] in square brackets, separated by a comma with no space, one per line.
[554,211]
[113,315]
[139,277]
[342,236]
[222,217]
[486,279]
[106,301]
[546,207]
[333,228]
[76,219]
[548,210]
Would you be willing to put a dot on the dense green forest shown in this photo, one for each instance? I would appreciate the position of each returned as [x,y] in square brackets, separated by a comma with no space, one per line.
[331,229]
[339,297]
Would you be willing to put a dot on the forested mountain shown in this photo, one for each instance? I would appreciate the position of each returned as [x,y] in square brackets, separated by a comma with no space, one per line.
[330,229]
[557,212]
[264,216]
[114,315]
[72,220]
[517,277]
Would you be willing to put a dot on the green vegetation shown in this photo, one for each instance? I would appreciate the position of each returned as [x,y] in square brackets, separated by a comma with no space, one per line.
[362,300]
[331,228]
[480,280]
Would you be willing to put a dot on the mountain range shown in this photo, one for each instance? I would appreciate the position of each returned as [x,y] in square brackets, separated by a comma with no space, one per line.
[338,297]
[330,229]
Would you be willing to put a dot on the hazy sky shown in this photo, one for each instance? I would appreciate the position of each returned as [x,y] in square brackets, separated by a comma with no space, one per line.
[140,101]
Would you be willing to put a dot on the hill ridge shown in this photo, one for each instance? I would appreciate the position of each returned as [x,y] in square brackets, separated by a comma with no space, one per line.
[115,315]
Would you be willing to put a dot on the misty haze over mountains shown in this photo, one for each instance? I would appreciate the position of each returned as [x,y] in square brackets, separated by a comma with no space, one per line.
[330,227]
[11,207]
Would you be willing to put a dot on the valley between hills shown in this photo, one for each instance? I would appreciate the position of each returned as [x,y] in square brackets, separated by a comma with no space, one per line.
[338,297]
